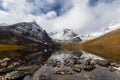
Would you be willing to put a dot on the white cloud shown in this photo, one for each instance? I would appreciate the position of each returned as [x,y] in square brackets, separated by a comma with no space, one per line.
[81,17]
[17,7]
[103,14]
[75,19]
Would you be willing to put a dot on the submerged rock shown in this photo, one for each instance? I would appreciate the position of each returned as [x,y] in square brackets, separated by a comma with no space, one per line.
[104,63]
[63,72]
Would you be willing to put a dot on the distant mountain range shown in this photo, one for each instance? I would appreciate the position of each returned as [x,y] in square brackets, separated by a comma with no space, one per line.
[30,34]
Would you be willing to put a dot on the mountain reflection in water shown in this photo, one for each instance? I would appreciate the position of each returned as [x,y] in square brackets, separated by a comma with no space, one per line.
[43,65]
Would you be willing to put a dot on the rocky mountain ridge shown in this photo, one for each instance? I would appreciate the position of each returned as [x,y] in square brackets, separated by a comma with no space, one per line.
[28,34]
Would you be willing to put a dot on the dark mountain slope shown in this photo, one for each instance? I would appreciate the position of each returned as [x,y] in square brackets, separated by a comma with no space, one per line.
[30,35]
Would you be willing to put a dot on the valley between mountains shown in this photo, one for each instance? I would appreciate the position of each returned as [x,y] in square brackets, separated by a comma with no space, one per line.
[29,35]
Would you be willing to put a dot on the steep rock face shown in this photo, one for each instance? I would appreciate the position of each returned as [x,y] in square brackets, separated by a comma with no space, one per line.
[28,34]
[65,36]
[29,30]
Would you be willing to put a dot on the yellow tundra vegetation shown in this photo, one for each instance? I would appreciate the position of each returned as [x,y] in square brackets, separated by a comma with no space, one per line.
[6,47]
[107,45]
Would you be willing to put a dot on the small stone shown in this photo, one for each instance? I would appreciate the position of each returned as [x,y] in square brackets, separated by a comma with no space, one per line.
[11,66]
[88,67]
[76,68]
[75,57]
[7,59]
[4,64]
[16,63]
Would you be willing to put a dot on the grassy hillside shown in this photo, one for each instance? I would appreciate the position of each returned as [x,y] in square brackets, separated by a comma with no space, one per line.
[5,47]
[107,45]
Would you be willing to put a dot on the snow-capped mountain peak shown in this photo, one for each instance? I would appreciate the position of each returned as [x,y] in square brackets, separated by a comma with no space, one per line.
[66,35]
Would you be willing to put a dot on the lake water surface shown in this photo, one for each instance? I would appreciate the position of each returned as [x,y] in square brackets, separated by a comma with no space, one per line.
[36,63]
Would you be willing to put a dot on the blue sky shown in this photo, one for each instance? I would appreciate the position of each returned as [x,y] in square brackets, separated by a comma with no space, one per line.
[83,16]
[56,6]
[95,2]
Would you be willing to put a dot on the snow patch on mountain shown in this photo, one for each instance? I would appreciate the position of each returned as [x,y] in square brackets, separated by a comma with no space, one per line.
[113,26]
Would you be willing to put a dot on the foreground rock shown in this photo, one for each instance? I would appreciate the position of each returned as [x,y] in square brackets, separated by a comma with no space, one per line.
[77,68]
